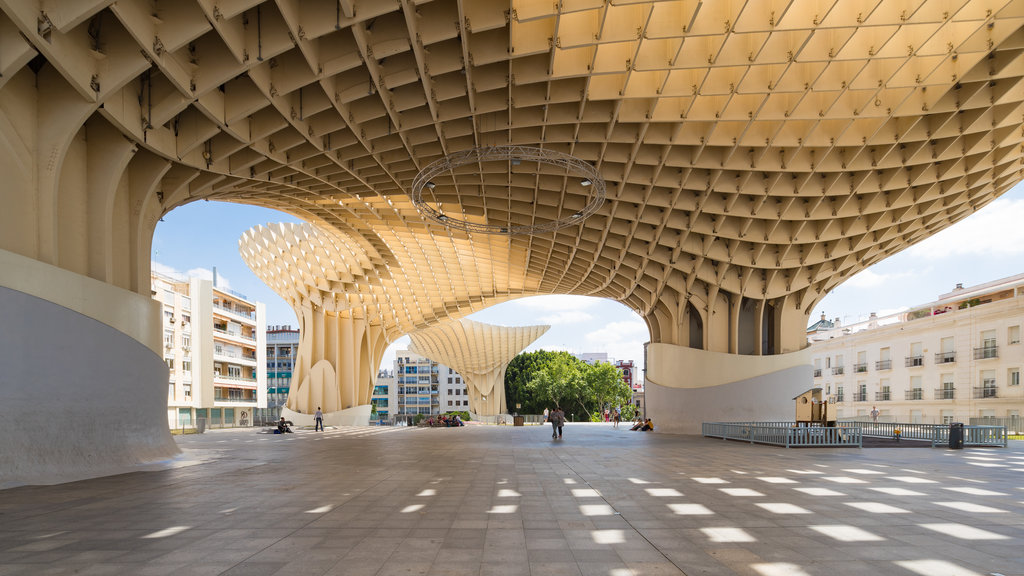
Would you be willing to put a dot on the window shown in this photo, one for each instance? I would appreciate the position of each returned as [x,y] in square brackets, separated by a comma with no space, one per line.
[449,402]
[1013,335]
[458,380]
[188,390]
[1013,377]
[186,365]
[170,363]
[449,380]
[186,341]
[234,371]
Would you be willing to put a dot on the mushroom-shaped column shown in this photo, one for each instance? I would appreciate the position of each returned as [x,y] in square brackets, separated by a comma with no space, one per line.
[342,336]
[480,353]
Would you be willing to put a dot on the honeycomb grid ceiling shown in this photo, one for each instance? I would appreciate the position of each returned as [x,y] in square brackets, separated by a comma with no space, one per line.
[764,148]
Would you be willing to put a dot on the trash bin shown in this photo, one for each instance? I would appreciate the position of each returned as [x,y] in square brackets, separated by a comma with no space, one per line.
[200,425]
[956,435]
[518,420]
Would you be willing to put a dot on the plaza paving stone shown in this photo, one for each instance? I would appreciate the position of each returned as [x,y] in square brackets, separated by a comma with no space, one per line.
[506,501]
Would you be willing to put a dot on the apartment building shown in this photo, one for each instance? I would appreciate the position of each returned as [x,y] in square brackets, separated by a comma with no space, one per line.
[282,346]
[418,385]
[952,360]
[215,349]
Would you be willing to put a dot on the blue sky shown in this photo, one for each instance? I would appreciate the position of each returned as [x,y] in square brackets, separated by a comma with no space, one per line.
[988,245]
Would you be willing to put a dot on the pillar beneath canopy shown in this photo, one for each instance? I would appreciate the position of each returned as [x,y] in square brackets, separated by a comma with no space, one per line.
[336,364]
[480,353]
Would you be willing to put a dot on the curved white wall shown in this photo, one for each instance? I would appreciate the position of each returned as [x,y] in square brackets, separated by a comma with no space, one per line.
[78,398]
[685,387]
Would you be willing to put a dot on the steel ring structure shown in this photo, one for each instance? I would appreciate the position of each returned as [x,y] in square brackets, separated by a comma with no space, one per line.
[587,173]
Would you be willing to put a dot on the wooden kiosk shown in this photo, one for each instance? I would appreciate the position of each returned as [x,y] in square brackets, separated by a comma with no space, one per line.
[813,408]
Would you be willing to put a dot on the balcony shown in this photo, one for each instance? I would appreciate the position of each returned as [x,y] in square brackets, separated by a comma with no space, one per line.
[860,396]
[945,393]
[984,392]
[883,365]
[860,367]
[913,394]
[233,335]
[986,352]
[242,313]
[817,372]
[837,371]
[912,361]
[945,357]
[839,398]
[883,396]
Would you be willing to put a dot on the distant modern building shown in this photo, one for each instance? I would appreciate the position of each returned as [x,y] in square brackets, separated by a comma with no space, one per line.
[955,359]
[592,357]
[215,349]
[418,385]
[282,345]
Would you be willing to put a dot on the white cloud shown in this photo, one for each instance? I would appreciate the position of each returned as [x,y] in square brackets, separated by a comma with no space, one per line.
[166,270]
[975,234]
[621,340]
[558,303]
[204,273]
[566,317]
[207,274]
[870,279]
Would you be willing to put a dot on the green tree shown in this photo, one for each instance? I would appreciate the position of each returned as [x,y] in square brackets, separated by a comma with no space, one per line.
[604,386]
[520,371]
[559,381]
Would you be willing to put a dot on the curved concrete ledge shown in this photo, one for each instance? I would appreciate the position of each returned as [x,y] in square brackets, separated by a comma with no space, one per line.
[686,387]
[78,398]
[355,416]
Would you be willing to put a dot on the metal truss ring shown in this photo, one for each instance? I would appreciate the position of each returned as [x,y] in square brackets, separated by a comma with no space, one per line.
[571,164]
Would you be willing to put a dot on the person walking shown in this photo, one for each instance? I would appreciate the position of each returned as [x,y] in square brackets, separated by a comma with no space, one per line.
[616,417]
[553,418]
[318,417]
[874,414]
[559,421]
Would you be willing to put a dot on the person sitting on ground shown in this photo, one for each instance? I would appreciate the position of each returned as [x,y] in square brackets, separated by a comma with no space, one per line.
[648,426]
[284,426]
[457,421]
[637,425]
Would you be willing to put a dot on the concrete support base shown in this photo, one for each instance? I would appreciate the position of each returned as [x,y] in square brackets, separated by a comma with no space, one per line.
[78,398]
[686,387]
[355,416]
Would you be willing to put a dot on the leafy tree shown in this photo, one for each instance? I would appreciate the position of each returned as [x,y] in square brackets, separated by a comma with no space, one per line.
[605,386]
[520,370]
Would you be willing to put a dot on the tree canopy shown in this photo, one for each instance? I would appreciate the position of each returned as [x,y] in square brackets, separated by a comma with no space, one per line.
[543,379]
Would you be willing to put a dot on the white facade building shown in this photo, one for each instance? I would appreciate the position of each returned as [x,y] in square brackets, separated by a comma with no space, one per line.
[215,349]
[953,360]
[418,385]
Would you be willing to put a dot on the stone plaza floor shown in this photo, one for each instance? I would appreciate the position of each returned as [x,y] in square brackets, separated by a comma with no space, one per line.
[506,501]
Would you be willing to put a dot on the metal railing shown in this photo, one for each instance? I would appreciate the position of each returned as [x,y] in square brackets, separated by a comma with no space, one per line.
[840,397]
[911,361]
[817,372]
[787,434]
[837,370]
[937,434]
[883,365]
[860,396]
[883,396]
[985,392]
[861,367]
[945,357]
[945,393]
[986,352]
[913,394]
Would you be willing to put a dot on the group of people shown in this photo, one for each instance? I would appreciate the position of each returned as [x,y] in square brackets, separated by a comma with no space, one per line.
[613,415]
[639,424]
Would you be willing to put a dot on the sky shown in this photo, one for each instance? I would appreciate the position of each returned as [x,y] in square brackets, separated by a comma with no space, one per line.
[986,246]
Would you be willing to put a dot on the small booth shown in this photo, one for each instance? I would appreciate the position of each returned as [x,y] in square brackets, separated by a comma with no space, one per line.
[814,409]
